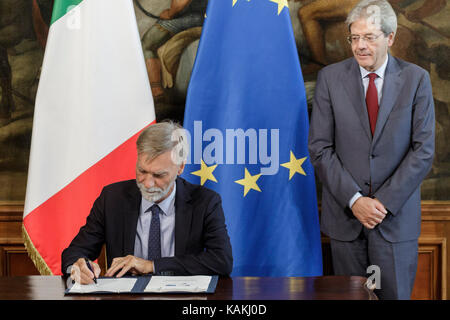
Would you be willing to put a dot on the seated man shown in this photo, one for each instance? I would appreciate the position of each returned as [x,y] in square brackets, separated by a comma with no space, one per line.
[157,224]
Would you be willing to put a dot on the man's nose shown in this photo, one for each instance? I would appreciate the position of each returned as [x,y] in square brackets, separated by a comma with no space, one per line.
[149,182]
[362,44]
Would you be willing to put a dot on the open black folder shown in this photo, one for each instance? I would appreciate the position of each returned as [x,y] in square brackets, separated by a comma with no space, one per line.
[147,284]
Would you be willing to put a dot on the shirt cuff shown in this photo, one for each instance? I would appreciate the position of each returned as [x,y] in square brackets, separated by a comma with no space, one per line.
[69,269]
[353,199]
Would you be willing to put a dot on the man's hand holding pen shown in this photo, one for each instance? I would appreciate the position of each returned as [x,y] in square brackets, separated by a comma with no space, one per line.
[85,271]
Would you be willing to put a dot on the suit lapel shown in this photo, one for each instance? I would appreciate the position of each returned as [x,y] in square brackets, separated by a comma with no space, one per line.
[355,91]
[391,88]
[130,218]
[183,217]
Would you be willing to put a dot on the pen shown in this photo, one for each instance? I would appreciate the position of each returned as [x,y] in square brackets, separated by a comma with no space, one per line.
[90,268]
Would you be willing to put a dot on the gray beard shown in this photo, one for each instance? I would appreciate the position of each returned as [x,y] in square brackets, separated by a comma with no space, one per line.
[153,194]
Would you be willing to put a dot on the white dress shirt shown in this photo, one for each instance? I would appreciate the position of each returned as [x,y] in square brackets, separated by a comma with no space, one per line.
[379,85]
[378,81]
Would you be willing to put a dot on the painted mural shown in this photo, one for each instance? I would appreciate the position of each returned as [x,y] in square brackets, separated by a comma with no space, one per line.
[170,37]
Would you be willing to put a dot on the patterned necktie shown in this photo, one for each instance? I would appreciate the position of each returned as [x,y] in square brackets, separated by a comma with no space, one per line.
[154,238]
[372,102]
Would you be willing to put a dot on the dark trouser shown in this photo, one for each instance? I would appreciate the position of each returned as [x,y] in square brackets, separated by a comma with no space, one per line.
[397,262]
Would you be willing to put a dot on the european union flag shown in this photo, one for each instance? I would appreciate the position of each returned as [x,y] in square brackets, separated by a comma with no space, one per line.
[247,117]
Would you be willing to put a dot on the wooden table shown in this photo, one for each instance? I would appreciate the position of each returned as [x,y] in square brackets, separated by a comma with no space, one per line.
[235,288]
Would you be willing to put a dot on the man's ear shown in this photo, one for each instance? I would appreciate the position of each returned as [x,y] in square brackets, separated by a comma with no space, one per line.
[391,38]
[181,168]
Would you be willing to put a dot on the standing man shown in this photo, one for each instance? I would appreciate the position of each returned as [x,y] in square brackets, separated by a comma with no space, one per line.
[372,143]
[157,224]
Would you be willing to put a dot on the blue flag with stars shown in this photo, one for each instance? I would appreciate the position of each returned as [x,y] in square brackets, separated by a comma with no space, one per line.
[247,119]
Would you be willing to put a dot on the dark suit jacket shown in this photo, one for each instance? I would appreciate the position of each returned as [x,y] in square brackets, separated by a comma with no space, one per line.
[391,165]
[202,245]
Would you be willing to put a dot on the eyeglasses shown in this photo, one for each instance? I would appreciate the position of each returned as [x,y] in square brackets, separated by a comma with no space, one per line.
[354,39]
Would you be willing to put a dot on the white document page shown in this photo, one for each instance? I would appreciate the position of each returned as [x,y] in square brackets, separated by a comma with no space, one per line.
[176,283]
[114,285]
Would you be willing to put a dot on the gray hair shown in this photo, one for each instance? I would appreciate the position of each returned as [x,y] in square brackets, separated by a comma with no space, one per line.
[378,12]
[162,137]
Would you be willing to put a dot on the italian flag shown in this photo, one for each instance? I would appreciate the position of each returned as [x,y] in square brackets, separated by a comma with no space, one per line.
[93,100]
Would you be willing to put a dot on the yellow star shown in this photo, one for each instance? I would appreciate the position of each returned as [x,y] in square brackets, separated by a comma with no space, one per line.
[205,173]
[294,166]
[281,5]
[249,182]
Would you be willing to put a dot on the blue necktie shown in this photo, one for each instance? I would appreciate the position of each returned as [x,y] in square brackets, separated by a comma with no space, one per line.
[154,238]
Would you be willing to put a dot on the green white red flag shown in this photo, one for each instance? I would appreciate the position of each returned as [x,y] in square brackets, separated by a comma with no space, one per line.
[93,100]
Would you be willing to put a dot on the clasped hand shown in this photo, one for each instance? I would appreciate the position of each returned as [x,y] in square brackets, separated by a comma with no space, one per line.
[119,266]
[370,212]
